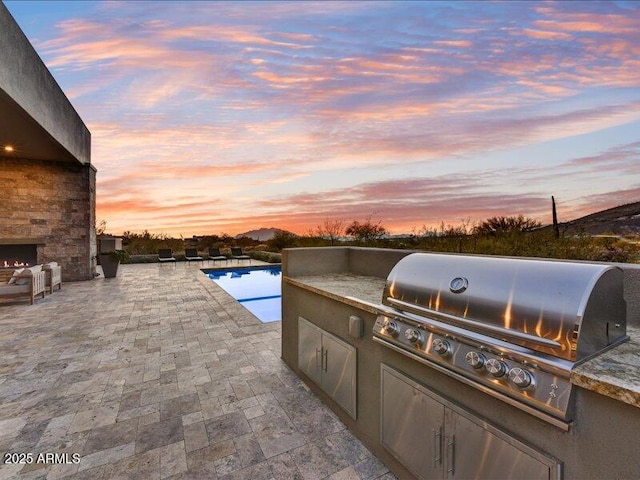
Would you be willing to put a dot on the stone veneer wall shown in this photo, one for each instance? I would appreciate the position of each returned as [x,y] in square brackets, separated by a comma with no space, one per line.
[54,203]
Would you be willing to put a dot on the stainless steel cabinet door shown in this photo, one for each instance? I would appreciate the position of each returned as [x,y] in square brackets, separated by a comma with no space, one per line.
[310,350]
[339,375]
[328,362]
[472,451]
[412,424]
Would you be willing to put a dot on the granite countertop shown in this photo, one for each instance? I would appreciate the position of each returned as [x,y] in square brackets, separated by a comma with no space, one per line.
[615,373]
[356,290]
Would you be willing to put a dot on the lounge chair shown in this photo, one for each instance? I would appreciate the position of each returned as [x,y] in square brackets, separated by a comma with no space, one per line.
[165,255]
[191,255]
[25,282]
[216,256]
[236,252]
[53,273]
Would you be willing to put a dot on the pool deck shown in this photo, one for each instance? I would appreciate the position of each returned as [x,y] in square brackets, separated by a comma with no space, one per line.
[159,373]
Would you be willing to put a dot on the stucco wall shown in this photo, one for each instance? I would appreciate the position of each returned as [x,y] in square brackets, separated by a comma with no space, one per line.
[373,262]
[26,80]
[53,202]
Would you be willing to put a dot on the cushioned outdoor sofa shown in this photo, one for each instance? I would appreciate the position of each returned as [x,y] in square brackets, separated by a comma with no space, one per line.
[25,282]
[53,273]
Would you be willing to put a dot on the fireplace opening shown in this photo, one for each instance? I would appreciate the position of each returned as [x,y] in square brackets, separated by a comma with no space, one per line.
[18,255]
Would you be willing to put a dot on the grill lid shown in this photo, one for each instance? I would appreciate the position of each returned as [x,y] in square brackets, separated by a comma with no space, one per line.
[566,309]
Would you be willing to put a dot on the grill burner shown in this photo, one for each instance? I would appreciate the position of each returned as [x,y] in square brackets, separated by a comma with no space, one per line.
[513,328]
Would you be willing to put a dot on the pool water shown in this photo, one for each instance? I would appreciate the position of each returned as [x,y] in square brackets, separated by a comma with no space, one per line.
[258,289]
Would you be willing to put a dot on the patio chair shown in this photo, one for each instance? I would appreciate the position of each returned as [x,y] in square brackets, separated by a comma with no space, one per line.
[216,256]
[191,255]
[25,282]
[236,252]
[165,255]
[53,273]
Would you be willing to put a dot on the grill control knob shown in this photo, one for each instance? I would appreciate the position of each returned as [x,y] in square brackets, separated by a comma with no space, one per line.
[413,335]
[496,368]
[441,346]
[520,377]
[475,359]
[390,328]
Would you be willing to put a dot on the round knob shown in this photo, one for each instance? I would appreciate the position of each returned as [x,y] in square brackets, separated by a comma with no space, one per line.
[475,359]
[390,328]
[441,346]
[496,368]
[412,335]
[520,377]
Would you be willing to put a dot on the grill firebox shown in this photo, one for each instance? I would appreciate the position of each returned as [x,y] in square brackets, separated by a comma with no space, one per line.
[513,328]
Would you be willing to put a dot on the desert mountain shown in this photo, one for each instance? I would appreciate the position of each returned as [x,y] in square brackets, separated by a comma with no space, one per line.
[620,220]
[261,234]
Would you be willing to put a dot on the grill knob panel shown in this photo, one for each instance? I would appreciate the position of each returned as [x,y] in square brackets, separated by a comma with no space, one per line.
[520,377]
[441,346]
[475,359]
[496,368]
[413,335]
[391,328]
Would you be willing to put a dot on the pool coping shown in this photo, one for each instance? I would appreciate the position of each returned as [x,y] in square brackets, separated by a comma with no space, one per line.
[242,267]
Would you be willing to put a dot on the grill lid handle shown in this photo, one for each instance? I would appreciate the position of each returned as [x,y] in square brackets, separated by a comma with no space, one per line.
[505,332]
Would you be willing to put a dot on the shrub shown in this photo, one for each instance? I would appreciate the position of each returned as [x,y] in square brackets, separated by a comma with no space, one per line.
[144,258]
[269,257]
[501,225]
[121,256]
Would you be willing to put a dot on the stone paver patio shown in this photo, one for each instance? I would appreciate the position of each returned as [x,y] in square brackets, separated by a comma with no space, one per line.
[158,373]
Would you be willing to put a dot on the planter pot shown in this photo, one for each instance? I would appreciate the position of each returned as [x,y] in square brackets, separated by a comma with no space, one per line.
[109,266]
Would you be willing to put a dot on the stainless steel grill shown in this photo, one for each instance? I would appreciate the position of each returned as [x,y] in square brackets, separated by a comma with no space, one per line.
[513,328]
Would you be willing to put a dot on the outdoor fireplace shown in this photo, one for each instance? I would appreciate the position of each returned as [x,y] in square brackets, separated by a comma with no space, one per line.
[20,255]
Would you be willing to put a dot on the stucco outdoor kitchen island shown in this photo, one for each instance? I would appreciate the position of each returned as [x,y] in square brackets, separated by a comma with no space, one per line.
[425,422]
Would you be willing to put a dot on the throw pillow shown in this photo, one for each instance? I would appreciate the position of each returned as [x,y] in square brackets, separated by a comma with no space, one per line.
[24,278]
[15,275]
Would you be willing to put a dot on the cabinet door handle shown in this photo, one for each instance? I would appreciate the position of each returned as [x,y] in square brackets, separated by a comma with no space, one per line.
[451,454]
[325,355]
[437,446]
[319,358]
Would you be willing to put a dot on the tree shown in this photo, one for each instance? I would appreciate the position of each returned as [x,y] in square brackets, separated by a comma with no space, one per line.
[208,241]
[282,239]
[366,232]
[101,227]
[331,229]
[500,225]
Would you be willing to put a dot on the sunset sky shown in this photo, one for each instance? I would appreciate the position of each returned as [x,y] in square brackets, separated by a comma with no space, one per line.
[212,117]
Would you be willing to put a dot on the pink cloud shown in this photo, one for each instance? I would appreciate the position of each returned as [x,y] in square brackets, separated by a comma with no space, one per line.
[623,160]
[545,34]
[593,23]
[212,101]
[231,34]
[454,43]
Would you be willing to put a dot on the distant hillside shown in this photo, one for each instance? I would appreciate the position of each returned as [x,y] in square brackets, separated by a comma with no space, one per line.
[621,220]
[261,234]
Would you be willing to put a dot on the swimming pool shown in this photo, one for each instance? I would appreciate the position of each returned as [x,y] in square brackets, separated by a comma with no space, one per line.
[258,289]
